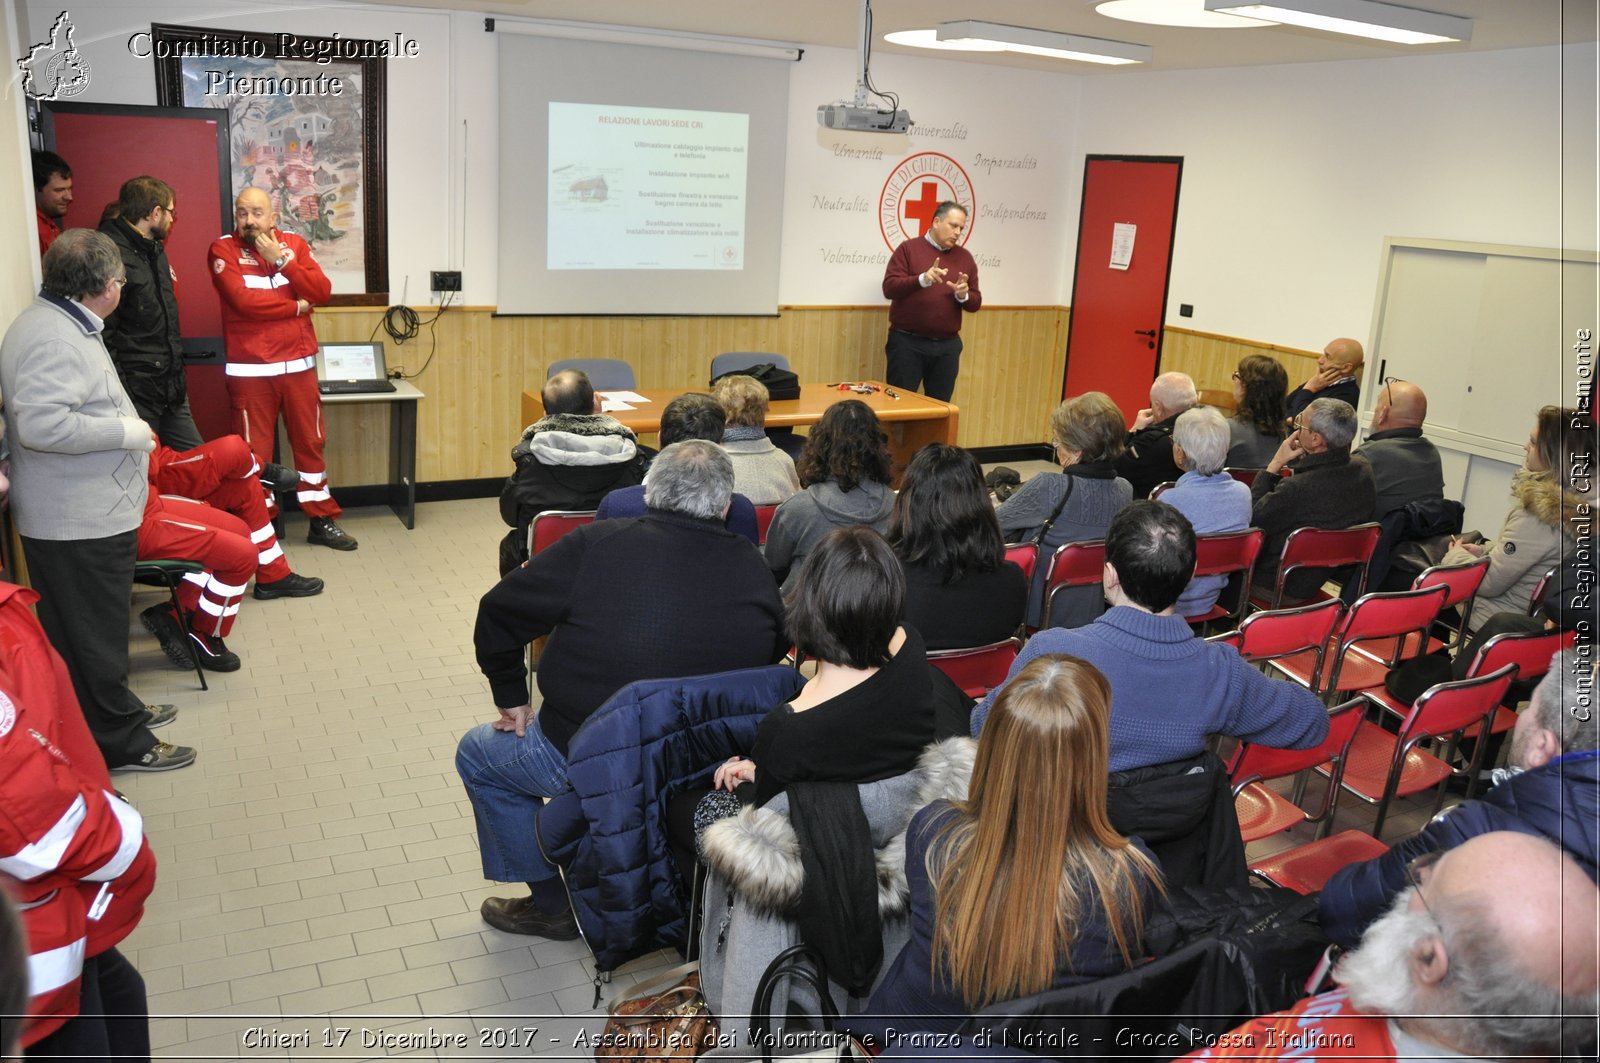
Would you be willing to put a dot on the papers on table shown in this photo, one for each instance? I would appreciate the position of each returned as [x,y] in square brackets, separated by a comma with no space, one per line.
[614,401]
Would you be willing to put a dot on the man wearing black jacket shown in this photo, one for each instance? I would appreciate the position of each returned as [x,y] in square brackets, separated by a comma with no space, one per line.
[672,593]
[142,335]
[1146,460]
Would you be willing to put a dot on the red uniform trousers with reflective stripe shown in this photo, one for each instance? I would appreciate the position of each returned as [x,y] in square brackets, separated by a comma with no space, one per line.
[222,473]
[182,529]
[257,401]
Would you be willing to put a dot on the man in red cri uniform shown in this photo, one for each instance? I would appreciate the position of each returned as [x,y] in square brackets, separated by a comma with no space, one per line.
[269,282]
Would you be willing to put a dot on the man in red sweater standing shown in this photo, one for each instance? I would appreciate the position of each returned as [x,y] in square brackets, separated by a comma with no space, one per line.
[269,282]
[929,282]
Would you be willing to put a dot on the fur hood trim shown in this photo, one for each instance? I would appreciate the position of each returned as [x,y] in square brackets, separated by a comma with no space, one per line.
[586,425]
[1542,495]
[758,853]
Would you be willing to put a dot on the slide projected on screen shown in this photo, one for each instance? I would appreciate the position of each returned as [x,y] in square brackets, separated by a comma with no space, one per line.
[646,188]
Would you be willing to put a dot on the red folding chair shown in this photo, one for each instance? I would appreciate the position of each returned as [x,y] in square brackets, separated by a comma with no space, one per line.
[1390,616]
[763,522]
[1530,651]
[1382,766]
[1281,633]
[977,669]
[1025,556]
[1322,548]
[1540,589]
[1223,554]
[544,530]
[1079,564]
[552,524]
[1162,488]
[1263,811]
[1307,868]
[1461,584]
[1244,476]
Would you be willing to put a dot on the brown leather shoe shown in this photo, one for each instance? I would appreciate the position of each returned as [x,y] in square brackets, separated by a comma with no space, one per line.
[520,915]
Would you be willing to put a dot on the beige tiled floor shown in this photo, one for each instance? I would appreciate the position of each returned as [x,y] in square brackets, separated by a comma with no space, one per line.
[318,865]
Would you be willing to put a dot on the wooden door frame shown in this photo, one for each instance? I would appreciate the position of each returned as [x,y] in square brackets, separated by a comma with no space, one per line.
[1077,250]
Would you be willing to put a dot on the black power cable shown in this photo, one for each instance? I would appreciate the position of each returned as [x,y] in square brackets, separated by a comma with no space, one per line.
[401,323]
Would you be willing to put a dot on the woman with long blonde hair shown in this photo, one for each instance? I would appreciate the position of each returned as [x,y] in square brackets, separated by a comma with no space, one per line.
[1033,826]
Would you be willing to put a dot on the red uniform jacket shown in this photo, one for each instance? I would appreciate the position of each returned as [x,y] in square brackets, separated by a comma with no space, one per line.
[260,319]
[72,854]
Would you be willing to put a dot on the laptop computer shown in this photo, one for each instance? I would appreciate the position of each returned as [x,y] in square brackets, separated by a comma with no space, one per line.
[351,369]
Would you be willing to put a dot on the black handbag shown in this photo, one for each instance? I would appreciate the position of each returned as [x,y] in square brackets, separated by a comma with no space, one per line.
[800,963]
[780,383]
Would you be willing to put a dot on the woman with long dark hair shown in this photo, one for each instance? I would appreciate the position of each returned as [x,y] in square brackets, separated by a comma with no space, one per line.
[1260,388]
[844,473]
[960,590]
[1025,885]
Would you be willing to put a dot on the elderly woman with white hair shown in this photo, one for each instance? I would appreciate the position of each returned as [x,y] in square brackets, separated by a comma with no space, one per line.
[1211,499]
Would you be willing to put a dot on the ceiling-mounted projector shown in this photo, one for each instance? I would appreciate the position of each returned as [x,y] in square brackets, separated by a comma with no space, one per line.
[854,118]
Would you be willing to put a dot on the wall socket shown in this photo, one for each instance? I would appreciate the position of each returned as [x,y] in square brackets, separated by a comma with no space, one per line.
[446,280]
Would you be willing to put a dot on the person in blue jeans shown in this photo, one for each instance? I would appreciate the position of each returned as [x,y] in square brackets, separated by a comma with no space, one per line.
[672,593]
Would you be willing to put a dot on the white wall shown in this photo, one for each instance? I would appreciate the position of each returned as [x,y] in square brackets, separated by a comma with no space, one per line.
[1293,175]
[18,243]
[1010,131]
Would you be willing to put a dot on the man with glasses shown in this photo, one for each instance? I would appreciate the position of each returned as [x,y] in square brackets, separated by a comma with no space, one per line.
[142,333]
[1329,489]
[1551,789]
[79,466]
[1405,466]
[1338,376]
[1488,954]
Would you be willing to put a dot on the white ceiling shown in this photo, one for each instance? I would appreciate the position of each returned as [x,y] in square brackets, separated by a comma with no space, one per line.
[1498,24]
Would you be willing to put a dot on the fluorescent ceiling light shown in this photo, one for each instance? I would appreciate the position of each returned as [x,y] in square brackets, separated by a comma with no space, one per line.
[1189,13]
[930,39]
[1358,18]
[1045,42]
[693,42]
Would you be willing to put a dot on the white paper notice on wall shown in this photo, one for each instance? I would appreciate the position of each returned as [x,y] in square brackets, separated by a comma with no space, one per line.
[1122,234]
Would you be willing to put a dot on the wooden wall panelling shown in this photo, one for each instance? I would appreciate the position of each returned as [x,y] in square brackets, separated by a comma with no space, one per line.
[1010,379]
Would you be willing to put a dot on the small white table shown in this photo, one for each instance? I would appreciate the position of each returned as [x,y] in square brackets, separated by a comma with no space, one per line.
[402,486]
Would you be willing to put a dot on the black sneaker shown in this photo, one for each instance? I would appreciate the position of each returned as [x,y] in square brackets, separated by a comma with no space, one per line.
[293,585]
[159,715]
[160,622]
[521,915]
[325,532]
[163,756]
[275,477]
[214,656]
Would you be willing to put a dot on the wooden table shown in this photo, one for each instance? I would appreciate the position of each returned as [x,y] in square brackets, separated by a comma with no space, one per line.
[911,421]
[401,491]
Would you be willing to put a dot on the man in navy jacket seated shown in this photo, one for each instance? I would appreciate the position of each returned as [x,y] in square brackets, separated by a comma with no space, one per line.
[672,593]
[1550,791]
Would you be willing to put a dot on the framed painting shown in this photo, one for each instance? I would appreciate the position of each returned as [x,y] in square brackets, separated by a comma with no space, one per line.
[306,124]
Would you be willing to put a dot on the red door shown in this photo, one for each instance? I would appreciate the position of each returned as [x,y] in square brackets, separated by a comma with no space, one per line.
[1115,329]
[105,144]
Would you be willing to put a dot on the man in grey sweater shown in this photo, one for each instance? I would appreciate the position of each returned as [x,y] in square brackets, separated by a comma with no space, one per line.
[79,477]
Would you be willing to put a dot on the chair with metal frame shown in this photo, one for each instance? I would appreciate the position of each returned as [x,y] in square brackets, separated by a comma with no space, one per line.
[1244,476]
[1025,556]
[1322,548]
[1461,584]
[545,528]
[1280,633]
[1224,554]
[1264,812]
[1384,616]
[1079,564]
[764,516]
[1382,766]
[977,669]
[1307,868]
[733,361]
[168,573]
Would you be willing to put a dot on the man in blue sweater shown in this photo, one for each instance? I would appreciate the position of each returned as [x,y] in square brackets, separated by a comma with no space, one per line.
[1170,691]
[1551,790]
